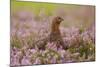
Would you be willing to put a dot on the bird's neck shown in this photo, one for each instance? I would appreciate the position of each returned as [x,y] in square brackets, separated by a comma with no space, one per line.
[55,28]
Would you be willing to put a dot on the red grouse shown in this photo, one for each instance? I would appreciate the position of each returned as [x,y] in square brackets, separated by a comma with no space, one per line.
[55,35]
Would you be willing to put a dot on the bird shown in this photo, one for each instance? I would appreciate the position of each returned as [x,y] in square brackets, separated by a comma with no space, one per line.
[55,31]
[54,36]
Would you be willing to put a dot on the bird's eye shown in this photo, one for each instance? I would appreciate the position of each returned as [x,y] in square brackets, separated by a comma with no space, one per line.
[60,19]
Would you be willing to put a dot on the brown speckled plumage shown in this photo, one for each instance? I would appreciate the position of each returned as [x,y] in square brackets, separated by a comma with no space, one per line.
[55,35]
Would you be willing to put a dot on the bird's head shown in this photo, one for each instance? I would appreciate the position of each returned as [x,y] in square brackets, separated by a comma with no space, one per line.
[58,19]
